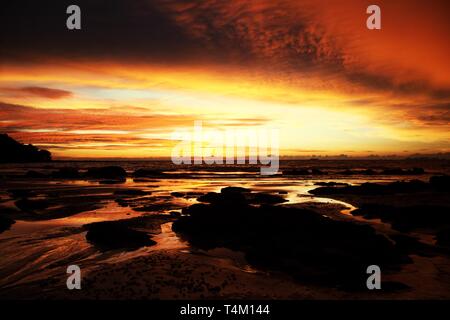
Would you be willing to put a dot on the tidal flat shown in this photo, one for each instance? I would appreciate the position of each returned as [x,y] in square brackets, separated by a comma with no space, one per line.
[151,230]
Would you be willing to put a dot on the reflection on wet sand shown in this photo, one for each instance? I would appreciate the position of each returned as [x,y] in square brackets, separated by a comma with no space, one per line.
[45,239]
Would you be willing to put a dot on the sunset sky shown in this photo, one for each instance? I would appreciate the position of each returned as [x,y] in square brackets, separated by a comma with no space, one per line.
[138,70]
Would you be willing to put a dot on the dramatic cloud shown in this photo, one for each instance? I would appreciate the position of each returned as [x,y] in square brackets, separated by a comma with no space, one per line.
[48,93]
[287,37]
[137,70]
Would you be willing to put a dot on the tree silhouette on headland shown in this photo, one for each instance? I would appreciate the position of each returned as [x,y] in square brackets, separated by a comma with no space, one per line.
[14,151]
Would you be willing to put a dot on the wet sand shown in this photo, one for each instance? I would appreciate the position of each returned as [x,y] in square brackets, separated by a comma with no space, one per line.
[42,242]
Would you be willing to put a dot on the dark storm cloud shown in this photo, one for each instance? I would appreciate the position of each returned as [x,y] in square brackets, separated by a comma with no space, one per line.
[164,30]
[385,83]
[256,30]
[110,29]
[283,36]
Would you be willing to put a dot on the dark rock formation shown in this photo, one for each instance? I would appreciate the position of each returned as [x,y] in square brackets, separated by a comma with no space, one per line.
[331,184]
[443,237]
[13,151]
[66,173]
[109,172]
[317,171]
[238,195]
[146,173]
[264,198]
[349,172]
[412,245]
[407,218]
[440,182]
[28,205]
[303,172]
[110,235]
[387,171]
[33,174]
[296,172]
[302,243]
[211,197]
[228,190]
[383,189]
[21,193]
[399,171]
[131,192]
[5,223]
[427,214]
[369,172]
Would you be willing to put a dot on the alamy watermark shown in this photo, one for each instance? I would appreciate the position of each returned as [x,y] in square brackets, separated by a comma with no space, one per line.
[73,21]
[227,147]
[374,280]
[74,280]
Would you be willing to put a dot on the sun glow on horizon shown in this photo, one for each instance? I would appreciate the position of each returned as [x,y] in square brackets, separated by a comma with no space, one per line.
[130,111]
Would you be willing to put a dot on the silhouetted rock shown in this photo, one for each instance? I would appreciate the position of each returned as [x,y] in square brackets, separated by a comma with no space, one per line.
[177,194]
[234,190]
[264,198]
[35,174]
[436,184]
[302,243]
[393,171]
[331,184]
[110,235]
[316,171]
[407,218]
[28,205]
[417,171]
[302,172]
[376,189]
[443,237]
[440,182]
[131,192]
[402,216]
[110,172]
[5,223]
[296,172]
[348,172]
[212,197]
[113,181]
[412,245]
[399,171]
[21,193]
[175,213]
[231,196]
[14,151]
[146,173]
[369,172]
[66,173]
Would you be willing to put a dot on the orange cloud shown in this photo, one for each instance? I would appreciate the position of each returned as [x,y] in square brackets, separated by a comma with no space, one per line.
[310,67]
[48,93]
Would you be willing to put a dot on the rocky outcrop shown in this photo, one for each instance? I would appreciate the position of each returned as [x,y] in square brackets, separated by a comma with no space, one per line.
[302,243]
[66,173]
[109,172]
[113,235]
[435,184]
[13,151]
[147,173]
[5,223]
